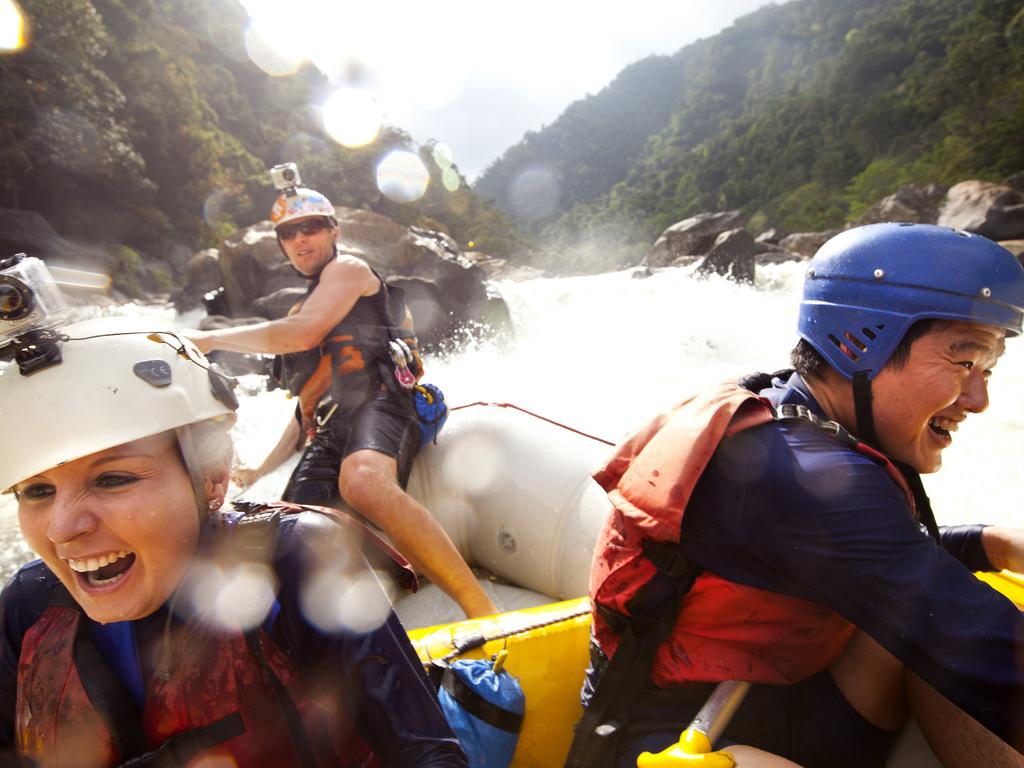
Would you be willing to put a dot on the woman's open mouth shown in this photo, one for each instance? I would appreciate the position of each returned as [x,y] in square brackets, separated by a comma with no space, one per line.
[104,570]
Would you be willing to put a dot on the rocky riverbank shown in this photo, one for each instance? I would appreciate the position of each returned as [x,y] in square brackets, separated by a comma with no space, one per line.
[719,242]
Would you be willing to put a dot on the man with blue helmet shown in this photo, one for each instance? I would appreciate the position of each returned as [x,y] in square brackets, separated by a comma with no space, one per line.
[776,530]
[348,354]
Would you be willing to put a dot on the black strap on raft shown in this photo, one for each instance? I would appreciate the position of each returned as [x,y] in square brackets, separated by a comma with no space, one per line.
[479,707]
[640,636]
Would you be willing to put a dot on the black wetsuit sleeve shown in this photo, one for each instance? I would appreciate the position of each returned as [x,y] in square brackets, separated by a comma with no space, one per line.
[373,671]
[793,511]
[964,543]
[22,602]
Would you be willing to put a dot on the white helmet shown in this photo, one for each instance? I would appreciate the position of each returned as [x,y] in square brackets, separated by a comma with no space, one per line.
[117,382]
[300,205]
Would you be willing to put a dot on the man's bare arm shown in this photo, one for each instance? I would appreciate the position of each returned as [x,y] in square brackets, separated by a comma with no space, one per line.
[342,283]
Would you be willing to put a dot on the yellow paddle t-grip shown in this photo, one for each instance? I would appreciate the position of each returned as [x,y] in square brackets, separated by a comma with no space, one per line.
[695,743]
[693,748]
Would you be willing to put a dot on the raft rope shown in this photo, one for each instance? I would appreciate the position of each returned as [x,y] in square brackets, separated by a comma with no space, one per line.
[535,415]
[476,639]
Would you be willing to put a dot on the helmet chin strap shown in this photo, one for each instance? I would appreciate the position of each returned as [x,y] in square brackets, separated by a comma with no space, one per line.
[862,408]
[190,456]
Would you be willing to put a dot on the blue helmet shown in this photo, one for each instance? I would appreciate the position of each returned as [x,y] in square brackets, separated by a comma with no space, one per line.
[866,286]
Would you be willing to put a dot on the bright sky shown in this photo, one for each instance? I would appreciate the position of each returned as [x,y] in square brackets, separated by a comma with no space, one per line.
[473,75]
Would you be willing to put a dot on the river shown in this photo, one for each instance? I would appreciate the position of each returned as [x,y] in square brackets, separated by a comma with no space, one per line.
[604,352]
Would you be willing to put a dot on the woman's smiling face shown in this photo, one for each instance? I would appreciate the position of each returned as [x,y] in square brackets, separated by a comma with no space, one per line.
[117,527]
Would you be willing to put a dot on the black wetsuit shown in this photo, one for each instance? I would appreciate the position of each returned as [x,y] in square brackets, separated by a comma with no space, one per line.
[357,412]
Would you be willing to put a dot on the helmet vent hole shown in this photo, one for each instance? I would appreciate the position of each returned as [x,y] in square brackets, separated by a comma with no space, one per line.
[845,349]
[855,341]
[869,333]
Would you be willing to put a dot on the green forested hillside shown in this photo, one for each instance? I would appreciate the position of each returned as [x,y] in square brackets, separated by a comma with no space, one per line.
[143,122]
[803,115]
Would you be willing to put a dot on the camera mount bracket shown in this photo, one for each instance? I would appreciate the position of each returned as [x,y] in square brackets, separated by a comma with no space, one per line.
[33,351]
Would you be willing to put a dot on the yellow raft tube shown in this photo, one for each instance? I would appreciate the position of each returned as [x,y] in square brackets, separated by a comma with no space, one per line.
[548,653]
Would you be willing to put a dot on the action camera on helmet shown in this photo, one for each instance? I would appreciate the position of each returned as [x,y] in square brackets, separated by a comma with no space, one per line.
[31,308]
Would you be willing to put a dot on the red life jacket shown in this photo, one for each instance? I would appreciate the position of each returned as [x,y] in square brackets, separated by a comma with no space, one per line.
[724,630]
[237,699]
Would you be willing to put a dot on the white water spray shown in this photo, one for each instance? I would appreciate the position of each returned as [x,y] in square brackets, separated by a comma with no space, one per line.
[603,353]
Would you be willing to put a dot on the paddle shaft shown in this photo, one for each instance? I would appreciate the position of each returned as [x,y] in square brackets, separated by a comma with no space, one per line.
[718,710]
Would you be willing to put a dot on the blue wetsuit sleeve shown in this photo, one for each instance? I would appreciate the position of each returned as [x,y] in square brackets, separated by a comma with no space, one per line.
[791,510]
[964,543]
[374,672]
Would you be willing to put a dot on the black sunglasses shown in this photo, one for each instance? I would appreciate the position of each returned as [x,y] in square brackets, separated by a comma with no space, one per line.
[309,227]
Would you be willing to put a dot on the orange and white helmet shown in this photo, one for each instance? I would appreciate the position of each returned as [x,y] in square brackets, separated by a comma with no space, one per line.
[300,205]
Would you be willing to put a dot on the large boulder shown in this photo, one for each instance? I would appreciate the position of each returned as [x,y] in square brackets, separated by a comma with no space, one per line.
[28,232]
[806,244]
[993,210]
[913,203]
[732,255]
[687,240]
[252,265]
[768,253]
[771,236]
[201,274]
[447,291]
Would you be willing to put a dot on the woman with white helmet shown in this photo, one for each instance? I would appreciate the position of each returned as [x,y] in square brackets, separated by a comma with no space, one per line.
[158,629]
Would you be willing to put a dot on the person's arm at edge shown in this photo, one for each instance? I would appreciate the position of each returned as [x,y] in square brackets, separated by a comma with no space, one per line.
[342,282]
[966,544]
[1004,547]
[985,547]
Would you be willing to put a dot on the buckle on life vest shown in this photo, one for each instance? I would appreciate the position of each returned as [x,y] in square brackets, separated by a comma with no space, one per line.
[323,412]
[794,412]
[402,357]
[667,558]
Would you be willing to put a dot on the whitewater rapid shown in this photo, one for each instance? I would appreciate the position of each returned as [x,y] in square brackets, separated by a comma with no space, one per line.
[602,353]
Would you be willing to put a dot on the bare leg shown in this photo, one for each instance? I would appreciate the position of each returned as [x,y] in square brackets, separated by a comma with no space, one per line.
[958,740]
[872,680]
[368,481]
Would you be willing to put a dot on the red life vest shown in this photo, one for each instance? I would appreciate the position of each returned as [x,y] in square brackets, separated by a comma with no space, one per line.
[724,630]
[245,710]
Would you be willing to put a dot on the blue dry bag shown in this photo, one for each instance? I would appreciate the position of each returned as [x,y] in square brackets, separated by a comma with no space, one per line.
[430,410]
[485,708]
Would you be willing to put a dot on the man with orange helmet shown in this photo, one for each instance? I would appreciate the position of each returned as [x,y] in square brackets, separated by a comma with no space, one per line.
[348,352]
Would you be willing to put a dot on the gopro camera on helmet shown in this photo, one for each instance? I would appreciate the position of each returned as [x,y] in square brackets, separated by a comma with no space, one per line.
[31,307]
[286,177]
